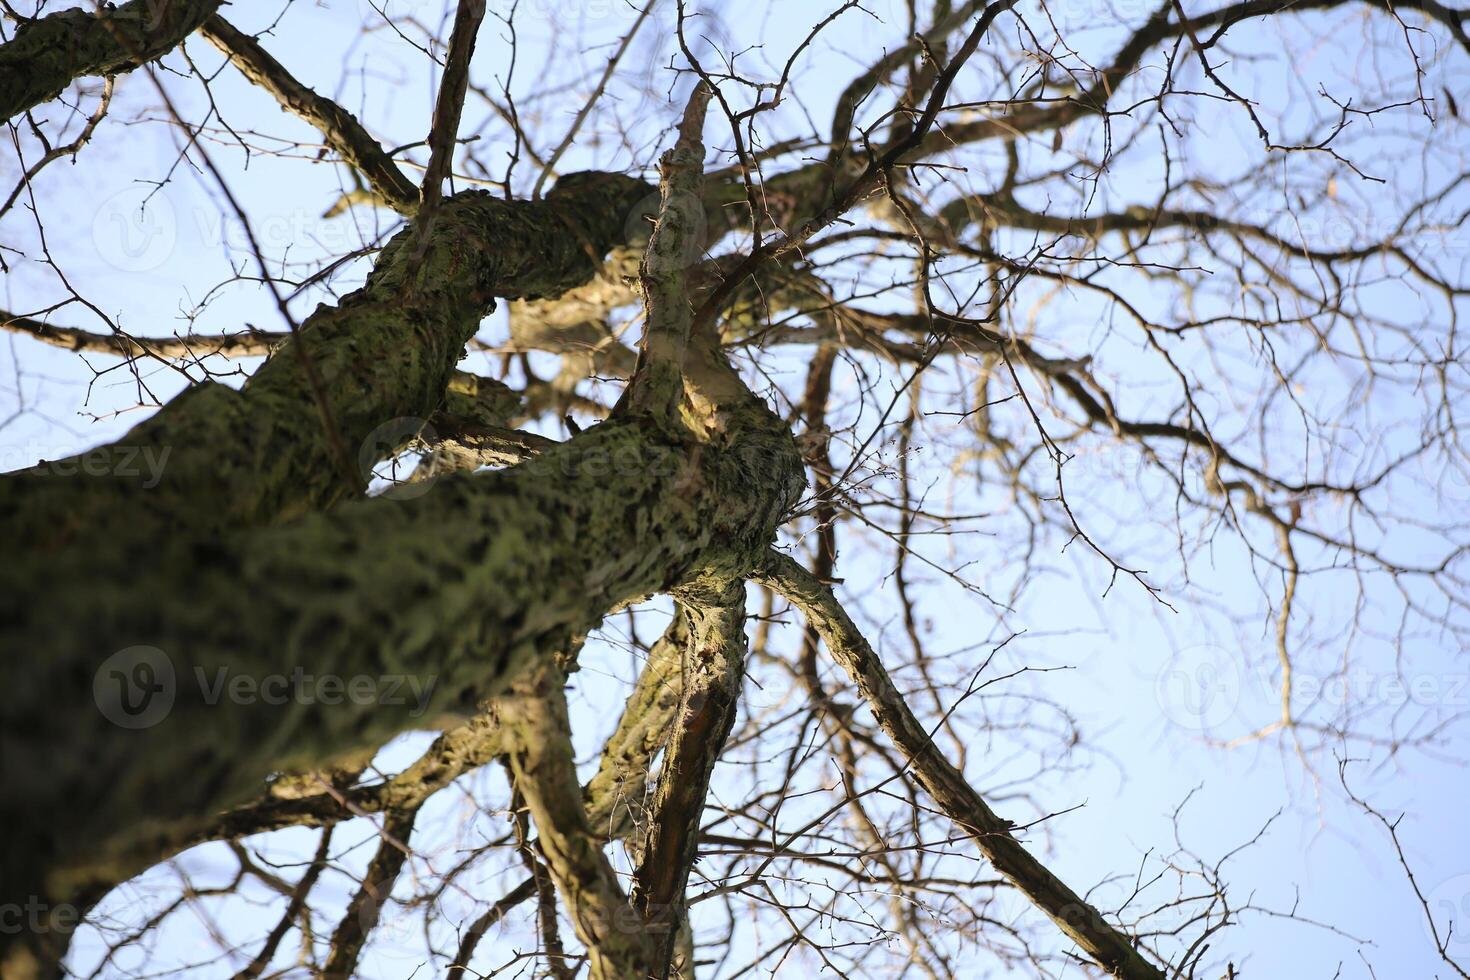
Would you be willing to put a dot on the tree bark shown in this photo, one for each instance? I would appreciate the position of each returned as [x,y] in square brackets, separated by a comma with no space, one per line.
[463,587]
[710,685]
[543,771]
[49,53]
[265,453]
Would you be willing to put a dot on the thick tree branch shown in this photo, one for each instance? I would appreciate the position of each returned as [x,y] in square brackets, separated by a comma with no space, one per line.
[657,384]
[613,797]
[535,719]
[384,355]
[485,575]
[49,53]
[713,670]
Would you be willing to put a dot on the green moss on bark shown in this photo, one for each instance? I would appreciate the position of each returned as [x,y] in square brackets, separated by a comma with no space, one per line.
[49,53]
[465,586]
[263,454]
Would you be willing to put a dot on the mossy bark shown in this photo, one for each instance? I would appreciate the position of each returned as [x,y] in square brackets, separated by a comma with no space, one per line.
[295,437]
[49,53]
[463,586]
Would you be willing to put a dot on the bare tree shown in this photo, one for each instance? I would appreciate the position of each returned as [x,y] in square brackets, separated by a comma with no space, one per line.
[1141,287]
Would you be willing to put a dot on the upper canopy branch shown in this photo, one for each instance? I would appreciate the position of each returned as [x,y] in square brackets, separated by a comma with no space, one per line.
[450,101]
[338,127]
[1104,944]
[657,384]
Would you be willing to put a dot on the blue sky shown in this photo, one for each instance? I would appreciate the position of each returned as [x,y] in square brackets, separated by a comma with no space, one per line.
[1126,655]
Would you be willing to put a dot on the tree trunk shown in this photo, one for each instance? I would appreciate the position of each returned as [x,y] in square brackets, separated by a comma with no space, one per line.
[456,590]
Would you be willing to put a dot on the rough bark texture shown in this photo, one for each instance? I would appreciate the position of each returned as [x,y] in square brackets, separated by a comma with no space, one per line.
[265,453]
[465,585]
[713,669]
[49,53]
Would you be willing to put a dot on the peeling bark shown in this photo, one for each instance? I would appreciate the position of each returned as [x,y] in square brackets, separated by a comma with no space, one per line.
[713,669]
